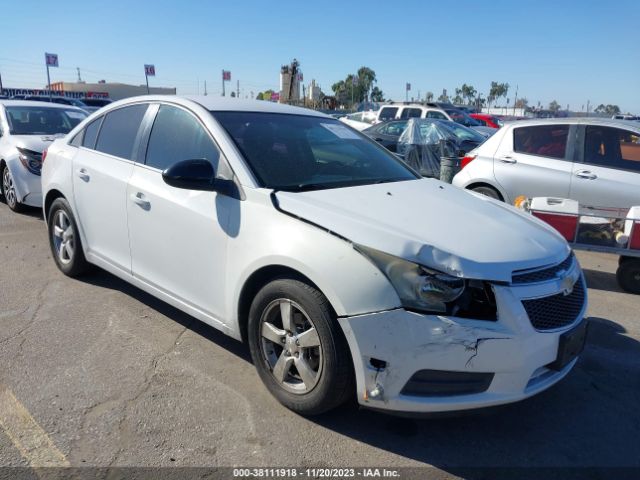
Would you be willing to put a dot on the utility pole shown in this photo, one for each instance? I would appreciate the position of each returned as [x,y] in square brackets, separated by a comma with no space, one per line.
[205,88]
[514,101]
[223,82]
[587,108]
[79,77]
[1,89]
[237,88]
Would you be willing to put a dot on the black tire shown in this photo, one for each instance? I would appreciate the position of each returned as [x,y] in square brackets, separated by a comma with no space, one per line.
[488,191]
[622,259]
[334,377]
[11,200]
[75,264]
[628,275]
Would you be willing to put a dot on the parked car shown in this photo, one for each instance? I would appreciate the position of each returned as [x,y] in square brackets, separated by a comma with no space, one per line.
[74,102]
[420,143]
[594,161]
[94,103]
[487,120]
[387,133]
[26,130]
[345,272]
[359,120]
[399,111]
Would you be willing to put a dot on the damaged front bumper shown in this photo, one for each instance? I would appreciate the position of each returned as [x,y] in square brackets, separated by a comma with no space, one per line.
[411,362]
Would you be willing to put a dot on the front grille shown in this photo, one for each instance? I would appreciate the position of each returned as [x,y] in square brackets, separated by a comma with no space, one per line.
[556,311]
[535,276]
[438,383]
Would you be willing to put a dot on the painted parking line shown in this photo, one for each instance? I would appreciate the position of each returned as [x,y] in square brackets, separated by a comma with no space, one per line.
[30,439]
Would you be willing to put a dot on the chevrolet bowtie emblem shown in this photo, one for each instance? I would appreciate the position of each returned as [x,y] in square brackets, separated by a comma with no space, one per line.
[567,285]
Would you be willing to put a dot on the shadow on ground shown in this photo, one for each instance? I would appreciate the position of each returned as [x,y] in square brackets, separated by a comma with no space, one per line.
[602,280]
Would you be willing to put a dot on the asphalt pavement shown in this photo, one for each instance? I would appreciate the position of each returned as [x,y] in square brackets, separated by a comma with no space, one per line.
[110,376]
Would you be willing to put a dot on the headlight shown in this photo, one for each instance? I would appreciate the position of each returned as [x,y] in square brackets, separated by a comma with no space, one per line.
[30,160]
[418,287]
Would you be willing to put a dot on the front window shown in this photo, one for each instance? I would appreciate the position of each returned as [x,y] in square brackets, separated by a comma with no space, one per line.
[612,147]
[42,120]
[298,153]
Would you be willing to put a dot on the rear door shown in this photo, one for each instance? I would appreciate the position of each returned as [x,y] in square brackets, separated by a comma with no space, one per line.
[101,169]
[536,161]
[608,173]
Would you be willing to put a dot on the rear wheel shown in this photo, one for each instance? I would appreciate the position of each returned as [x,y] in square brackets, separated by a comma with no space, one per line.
[488,191]
[628,275]
[64,239]
[9,190]
[298,348]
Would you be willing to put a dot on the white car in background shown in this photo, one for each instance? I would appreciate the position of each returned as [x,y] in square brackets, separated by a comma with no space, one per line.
[26,130]
[359,120]
[595,161]
[282,227]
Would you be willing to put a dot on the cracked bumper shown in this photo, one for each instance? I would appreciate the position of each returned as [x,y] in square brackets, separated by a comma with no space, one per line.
[510,348]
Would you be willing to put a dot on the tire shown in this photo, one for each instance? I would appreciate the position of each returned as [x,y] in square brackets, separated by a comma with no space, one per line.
[624,259]
[8,190]
[64,240]
[628,275]
[488,191]
[281,354]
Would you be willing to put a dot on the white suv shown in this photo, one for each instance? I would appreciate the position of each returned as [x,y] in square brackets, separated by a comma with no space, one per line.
[284,228]
[593,160]
[402,111]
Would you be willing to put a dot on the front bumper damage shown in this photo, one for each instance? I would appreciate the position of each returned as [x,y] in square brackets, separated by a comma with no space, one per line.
[389,347]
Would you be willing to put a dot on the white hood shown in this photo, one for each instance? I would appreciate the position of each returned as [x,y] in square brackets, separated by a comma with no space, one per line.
[434,224]
[36,143]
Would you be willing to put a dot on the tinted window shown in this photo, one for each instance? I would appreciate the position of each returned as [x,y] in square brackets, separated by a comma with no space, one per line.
[388,113]
[436,114]
[91,133]
[411,113]
[76,141]
[544,140]
[119,131]
[612,147]
[296,152]
[177,135]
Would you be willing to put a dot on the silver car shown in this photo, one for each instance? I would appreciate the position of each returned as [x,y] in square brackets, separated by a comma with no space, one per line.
[592,160]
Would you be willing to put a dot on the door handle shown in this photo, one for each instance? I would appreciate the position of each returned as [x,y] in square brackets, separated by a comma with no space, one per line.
[138,199]
[378,139]
[82,173]
[586,174]
[508,159]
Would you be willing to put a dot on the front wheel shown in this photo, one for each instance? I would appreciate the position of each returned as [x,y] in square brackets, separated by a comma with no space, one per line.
[488,191]
[64,239]
[298,348]
[9,190]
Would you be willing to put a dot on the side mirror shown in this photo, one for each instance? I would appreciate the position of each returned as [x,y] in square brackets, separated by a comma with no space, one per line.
[191,175]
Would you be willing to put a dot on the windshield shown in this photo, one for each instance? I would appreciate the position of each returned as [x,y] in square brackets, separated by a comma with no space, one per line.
[462,118]
[42,120]
[298,153]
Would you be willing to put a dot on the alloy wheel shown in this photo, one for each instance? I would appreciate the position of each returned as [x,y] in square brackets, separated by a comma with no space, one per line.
[290,345]
[9,188]
[63,237]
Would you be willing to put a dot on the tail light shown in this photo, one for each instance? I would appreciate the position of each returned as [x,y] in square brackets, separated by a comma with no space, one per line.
[467,160]
[44,154]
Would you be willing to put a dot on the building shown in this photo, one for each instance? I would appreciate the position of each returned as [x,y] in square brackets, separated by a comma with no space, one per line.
[115,91]
[290,78]
[315,92]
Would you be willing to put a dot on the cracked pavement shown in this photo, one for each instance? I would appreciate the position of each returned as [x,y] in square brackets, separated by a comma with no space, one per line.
[116,377]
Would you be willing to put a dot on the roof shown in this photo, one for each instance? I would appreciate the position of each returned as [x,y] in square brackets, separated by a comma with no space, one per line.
[35,103]
[212,102]
[577,120]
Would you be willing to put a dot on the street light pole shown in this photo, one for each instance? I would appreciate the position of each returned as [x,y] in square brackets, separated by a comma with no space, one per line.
[48,81]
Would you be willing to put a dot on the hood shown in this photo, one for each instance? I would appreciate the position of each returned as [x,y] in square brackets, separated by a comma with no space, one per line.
[36,143]
[435,224]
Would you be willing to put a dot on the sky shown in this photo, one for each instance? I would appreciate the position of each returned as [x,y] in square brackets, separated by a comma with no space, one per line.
[570,51]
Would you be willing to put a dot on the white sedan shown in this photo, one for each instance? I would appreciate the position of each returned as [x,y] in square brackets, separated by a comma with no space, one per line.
[26,130]
[345,272]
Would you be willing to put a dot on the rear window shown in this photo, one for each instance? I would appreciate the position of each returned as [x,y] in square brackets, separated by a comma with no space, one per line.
[119,131]
[388,113]
[411,113]
[544,140]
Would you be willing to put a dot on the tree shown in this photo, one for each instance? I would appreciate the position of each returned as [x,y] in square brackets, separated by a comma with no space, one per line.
[554,106]
[458,98]
[377,95]
[266,95]
[496,91]
[522,103]
[356,87]
[607,109]
[443,97]
[468,93]
[429,97]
